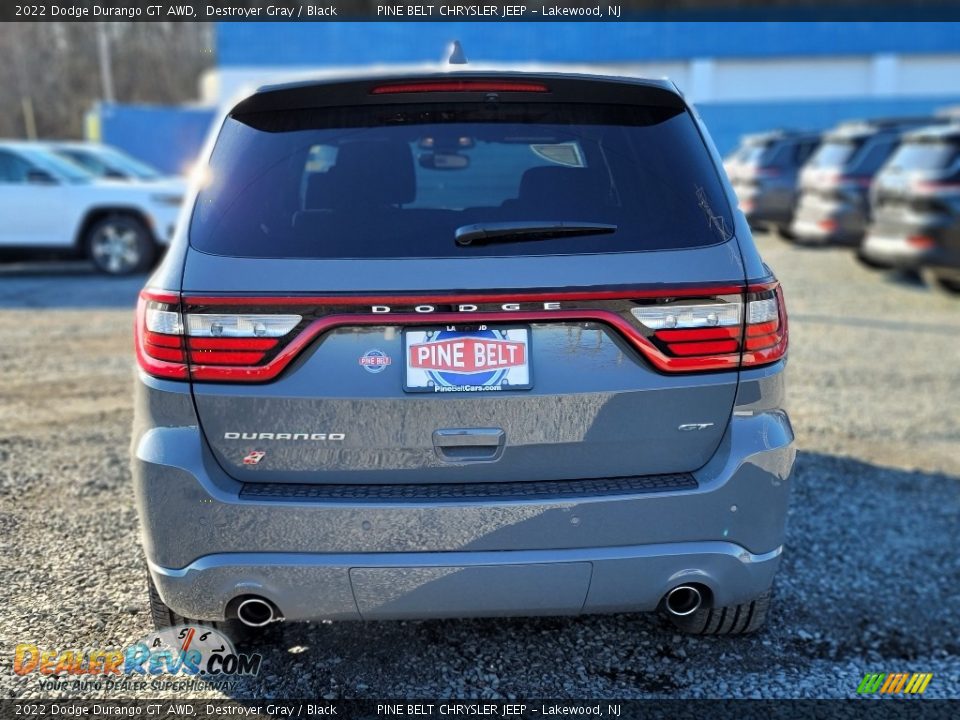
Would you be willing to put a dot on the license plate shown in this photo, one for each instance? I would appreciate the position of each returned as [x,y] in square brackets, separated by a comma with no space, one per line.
[461,358]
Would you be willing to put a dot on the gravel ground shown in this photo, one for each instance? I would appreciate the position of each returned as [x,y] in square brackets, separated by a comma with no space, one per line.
[868,581]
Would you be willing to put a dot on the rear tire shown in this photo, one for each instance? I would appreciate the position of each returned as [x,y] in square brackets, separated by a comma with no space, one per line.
[120,245]
[731,620]
[164,617]
[940,283]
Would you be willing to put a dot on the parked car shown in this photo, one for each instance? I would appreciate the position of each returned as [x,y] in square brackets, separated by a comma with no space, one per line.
[764,171]
[833,207]
[51,204]
[106,161]
[462,344]
[950,113]
[916,199]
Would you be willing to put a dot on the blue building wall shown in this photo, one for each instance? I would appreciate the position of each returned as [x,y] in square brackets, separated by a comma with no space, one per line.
[278,44]
[171,137]
[168,138]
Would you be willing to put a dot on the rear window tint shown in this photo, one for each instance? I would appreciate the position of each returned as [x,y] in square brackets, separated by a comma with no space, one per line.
[874,155]
[805,150]
[399,180]
[754,153]
[925,156]
[780,153]
[834,154]
[784,155]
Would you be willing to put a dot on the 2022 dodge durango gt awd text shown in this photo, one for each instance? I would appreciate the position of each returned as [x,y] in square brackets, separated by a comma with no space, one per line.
[462,344]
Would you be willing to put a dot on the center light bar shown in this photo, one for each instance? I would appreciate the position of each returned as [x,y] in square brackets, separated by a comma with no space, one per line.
[674,330]
[459,86]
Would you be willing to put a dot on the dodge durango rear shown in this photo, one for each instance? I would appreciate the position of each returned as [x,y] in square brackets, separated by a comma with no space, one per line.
[462,344]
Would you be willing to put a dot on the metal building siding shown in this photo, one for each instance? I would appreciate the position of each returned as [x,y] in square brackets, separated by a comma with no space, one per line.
[282,44]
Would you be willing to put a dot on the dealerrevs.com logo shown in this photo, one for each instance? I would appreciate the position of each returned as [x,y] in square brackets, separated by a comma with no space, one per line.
[162,660]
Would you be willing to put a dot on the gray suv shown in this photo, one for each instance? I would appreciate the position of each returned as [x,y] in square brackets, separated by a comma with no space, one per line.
[916,200]
[834,202]
[764,171]
[462,344]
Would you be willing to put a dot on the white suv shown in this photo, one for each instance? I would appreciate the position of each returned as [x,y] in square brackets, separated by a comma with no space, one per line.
[51,204]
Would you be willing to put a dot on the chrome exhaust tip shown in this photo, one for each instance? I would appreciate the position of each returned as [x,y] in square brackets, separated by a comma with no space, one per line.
[256,612]
[683,600]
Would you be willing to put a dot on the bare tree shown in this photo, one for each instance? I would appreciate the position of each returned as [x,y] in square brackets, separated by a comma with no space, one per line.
[53,69]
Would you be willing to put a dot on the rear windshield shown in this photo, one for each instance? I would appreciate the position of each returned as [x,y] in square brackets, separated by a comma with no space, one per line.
[834,153]
[400,180]
[776,153]
[925,156]
[754,153]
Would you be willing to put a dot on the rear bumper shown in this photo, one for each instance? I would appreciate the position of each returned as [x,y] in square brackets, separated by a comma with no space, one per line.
[208,543]
[388,586]
[829,224]
[893,252]
[897,252]
[767,206]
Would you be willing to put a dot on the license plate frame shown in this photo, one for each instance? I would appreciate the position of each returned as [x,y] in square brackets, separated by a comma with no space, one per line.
[429,377]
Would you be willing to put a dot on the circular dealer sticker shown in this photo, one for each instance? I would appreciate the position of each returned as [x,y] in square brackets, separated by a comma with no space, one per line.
[375,361]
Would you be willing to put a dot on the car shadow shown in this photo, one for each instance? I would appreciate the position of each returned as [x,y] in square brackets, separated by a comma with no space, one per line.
[907,279]
[870,566]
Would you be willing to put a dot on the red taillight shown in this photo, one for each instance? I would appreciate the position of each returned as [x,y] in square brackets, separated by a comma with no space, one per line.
[717,347]
[766,172]
[228,351]
[226,358]
[857,180]
[708,333]
[205,345]
[765,325]
[220,343]
[158,335]
[701,341]
[720,332]
[832,179]
[935,185]
[459,86]
[921,242]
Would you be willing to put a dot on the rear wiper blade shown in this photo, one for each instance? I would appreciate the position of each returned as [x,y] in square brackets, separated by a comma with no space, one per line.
[483,233]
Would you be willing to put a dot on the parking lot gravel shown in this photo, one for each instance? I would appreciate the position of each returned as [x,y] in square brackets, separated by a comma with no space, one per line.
[870,570]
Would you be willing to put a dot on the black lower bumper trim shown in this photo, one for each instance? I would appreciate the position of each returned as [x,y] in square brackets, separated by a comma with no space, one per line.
[454,492]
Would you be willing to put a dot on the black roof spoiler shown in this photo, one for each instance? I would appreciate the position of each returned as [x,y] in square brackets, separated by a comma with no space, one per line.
[559,87]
